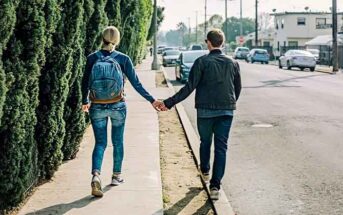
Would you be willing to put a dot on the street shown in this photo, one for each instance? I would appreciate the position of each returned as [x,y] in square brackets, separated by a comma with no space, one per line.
[285,147]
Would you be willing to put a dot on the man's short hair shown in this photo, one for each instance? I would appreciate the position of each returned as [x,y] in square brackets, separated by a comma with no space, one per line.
[216,37]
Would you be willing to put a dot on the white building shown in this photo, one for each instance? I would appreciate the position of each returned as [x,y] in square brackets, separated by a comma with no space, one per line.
[265,38]
[297,28]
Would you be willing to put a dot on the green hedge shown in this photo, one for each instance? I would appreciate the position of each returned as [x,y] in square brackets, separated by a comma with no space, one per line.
[43,48]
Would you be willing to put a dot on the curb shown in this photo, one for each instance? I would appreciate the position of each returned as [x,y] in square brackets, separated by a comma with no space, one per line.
[222,206]
[318,68]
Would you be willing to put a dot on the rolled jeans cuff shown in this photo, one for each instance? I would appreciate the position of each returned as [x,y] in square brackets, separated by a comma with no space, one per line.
[95,171]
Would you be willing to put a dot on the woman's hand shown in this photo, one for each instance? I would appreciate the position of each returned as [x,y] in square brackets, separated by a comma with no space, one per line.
[159,106]
[85,108]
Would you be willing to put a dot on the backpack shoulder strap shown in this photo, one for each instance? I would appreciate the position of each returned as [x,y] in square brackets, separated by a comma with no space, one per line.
[99,54]
[114,54]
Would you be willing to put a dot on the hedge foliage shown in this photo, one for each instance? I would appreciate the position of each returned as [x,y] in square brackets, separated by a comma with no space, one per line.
[43,48]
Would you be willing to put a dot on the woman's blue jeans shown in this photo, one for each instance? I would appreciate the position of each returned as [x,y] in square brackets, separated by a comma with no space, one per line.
[219,127]
[99,115]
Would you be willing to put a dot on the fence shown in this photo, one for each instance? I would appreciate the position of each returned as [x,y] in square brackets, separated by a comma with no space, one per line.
[284,49]
[325,56]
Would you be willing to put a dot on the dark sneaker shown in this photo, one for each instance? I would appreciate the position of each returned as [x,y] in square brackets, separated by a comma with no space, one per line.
[96,187]
[214,193]
[116,180]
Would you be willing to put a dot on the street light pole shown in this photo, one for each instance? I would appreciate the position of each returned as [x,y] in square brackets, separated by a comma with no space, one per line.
[189,30]
[225,25]
[196,27]
[334,37]
[155,63]
[256,22]
[205,19]
[241,19]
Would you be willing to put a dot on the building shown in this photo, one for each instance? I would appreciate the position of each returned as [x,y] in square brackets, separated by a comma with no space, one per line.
[265,38]
[294,29]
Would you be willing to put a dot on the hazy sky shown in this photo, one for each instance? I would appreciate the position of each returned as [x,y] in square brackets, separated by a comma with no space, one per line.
[180,10]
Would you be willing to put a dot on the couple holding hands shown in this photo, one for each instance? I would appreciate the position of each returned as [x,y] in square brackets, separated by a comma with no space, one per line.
[215,77]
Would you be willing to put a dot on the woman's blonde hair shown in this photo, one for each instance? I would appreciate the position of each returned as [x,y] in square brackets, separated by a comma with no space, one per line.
[110,38]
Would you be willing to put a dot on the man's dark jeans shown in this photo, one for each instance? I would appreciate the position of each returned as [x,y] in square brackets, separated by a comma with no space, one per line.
[219,127]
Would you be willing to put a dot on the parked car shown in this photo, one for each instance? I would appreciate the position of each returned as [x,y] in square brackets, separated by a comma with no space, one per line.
[170,57]
[241,53]
[298,58]
[258,55]
[315,53]
[185,63]
[169,48]
[196,47]
[160,49]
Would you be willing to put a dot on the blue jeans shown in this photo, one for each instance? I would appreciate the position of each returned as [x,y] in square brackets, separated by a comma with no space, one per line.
[99,115]
[219,127]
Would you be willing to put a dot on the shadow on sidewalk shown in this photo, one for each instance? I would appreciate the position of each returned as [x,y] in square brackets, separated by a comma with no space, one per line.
[180,205]
[64,208]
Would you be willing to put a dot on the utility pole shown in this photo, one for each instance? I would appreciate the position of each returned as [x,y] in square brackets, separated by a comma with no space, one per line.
[155,63]
[205,19]
[225,26]
[189,30]
[241,20]
[334,37]
[256,22]
[196,27]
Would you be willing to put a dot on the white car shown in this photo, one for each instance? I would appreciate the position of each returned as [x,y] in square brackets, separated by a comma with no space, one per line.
[298,58]
[170,57]
[241,53]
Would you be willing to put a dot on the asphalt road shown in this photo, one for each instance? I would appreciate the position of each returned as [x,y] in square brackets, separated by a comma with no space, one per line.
[295,166]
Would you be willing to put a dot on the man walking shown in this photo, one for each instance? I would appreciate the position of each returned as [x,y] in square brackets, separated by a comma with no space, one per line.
[217,81]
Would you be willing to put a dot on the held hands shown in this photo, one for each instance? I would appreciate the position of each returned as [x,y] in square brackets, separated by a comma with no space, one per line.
[159,106]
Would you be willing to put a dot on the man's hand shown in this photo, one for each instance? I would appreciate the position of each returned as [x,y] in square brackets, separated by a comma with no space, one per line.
[85,108]
[159,106]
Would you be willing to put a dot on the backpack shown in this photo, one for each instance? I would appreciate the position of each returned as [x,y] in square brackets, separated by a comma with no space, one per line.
[106,82]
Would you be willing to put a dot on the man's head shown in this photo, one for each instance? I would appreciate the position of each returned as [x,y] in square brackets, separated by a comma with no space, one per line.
[215,39]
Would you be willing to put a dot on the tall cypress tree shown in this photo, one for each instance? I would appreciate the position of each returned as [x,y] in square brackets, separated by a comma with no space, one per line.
[22,60]
[136,15]
[7,23]
[97,22]
[55,86]
[112,10]
[72,114]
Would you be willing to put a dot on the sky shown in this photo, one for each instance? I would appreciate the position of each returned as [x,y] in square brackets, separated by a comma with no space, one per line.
[180,10]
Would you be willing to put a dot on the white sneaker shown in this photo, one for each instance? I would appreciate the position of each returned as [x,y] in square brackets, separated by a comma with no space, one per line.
[116,180]
[214,193]
[96,187]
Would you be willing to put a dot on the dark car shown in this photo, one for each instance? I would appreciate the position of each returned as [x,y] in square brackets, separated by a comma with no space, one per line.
[185,63]
[170,57]
[196,47]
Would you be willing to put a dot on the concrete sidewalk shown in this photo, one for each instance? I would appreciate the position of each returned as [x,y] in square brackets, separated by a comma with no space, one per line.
[69,191]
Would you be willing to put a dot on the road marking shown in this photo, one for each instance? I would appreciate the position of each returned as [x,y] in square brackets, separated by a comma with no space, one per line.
[262,126]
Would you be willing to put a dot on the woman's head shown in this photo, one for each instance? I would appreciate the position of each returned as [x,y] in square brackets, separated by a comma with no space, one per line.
[110,38]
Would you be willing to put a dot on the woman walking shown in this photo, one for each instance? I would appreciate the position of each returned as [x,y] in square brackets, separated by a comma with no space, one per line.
[103,97]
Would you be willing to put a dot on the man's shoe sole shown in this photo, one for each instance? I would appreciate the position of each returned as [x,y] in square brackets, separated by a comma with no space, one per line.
[96,189]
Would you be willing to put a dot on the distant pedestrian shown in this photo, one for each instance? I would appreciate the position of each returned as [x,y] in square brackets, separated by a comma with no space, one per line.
[103,85]
[217,81]
[151,49]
